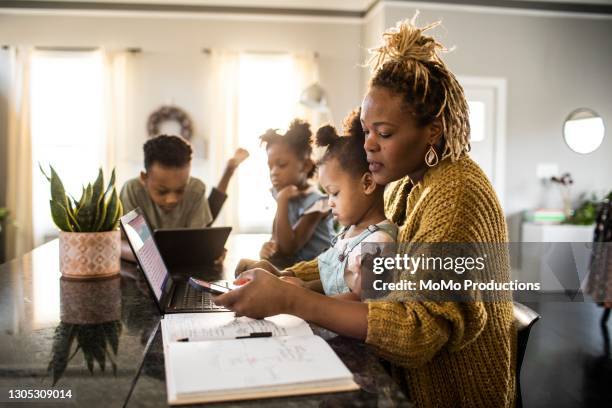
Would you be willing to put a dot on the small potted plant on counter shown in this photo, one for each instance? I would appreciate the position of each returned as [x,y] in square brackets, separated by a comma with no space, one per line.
[90,242]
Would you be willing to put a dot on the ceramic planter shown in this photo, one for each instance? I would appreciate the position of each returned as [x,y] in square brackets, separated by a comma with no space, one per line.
[85,255]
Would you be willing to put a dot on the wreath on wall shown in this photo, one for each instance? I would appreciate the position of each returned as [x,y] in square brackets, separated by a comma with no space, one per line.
[170,113]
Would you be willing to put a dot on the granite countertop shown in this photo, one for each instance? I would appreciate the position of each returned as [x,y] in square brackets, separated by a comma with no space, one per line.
[101,341]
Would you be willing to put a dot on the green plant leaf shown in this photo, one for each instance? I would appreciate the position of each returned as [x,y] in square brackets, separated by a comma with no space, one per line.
[87,212]
[43,172]
[58,193]
[98,198]
[79,203]
[86,197]
[111,184]
[71,212]
[101,216]
[60,217]
[119,214]
[104,204]
[114,208]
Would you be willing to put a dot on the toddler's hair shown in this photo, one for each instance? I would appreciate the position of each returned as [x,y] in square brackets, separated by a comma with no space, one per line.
[347,149]
[169,151]
[297,138]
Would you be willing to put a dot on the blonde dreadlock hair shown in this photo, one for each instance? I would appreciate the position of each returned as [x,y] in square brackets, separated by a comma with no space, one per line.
[408,64]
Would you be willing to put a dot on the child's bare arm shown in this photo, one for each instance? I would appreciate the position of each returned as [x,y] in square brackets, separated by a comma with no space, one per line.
[348,296]
[290,238]
[314,285]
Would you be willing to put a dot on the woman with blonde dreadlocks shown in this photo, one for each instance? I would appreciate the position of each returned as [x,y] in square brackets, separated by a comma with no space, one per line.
[415,116]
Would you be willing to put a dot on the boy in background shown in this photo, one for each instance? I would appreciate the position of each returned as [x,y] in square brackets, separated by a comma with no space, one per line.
[166,193]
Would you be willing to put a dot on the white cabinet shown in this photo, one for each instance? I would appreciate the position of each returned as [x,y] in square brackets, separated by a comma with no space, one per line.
[532,232]
[556,267]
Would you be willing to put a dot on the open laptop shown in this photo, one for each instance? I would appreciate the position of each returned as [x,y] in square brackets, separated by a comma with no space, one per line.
[191,248]
[171,296]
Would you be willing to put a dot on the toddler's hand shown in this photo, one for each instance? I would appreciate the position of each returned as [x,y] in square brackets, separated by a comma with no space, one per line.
[268,249]
[294,281]
[246,264]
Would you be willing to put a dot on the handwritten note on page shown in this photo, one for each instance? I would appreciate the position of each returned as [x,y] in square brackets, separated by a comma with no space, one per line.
[222,325]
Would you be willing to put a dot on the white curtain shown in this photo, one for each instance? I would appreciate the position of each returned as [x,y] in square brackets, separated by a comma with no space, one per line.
[223,131]
[19,234]
[117,85]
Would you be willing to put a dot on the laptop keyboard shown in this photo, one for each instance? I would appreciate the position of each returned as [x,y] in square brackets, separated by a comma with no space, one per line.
[198,299]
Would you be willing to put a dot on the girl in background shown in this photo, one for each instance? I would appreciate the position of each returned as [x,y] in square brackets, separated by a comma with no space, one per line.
[302,226]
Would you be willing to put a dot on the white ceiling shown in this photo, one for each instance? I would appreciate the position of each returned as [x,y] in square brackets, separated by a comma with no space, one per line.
[347,5]
[352,5]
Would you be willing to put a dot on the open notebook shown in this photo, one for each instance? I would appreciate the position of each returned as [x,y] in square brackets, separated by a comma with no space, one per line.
[213,365]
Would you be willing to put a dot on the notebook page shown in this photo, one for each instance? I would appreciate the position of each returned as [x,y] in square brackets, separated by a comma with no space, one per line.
[223,325]
[239,365]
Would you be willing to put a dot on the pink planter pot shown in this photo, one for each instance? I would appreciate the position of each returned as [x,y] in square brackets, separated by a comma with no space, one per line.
[86,255]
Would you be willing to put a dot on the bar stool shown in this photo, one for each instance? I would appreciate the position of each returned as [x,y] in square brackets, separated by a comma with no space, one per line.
[524,319]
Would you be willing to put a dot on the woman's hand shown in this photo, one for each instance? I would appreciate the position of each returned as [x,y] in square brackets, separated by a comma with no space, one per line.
[246,264]
[260,295]
[268,249]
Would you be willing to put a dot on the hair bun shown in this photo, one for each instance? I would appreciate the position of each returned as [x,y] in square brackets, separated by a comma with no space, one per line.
[405,43]
[271,132]
[299,129]
[326,136]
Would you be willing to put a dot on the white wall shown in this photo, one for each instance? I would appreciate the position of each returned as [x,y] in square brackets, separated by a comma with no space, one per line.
[371,36]
[553,65]
[172,67]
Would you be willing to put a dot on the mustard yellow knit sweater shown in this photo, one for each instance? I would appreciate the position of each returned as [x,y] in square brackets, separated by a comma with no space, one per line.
[449,354]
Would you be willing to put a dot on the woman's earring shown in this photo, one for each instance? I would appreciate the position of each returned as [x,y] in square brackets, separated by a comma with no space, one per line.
[431,157]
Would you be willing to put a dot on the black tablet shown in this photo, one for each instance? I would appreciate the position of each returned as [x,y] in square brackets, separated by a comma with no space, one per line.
[191,247]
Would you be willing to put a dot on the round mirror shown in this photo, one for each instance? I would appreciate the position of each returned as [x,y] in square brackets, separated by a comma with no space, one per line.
[583,131]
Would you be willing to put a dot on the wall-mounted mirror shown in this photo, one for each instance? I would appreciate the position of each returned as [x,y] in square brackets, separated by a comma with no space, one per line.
[583,130]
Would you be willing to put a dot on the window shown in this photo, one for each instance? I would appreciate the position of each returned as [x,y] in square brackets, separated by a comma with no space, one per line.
[268,95]
[68,129]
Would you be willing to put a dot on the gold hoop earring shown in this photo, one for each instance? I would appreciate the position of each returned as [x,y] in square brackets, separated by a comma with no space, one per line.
[431,157]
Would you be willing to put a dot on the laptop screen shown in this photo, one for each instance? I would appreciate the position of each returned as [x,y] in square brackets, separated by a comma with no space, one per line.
[141,240]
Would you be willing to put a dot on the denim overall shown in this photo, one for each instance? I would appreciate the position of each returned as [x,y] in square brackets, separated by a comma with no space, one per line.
[333,261]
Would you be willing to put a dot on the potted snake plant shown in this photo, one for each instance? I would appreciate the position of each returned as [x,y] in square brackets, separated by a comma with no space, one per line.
[90,242]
